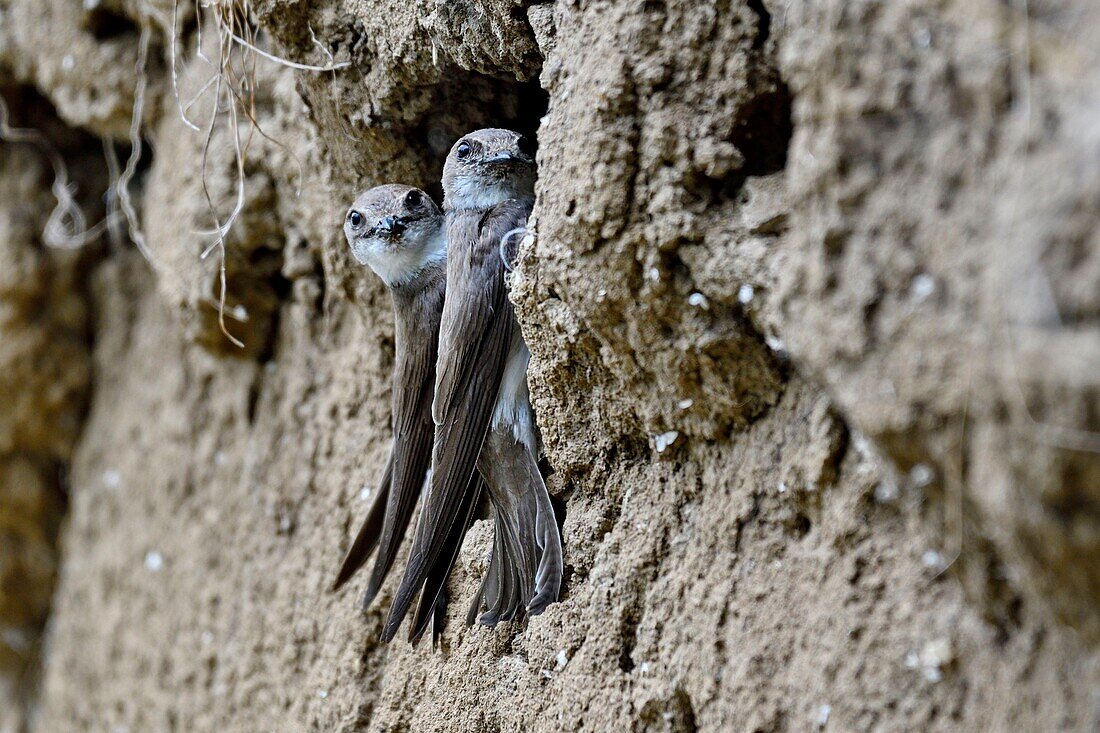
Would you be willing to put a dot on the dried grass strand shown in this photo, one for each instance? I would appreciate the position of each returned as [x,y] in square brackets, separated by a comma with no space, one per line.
[66,227]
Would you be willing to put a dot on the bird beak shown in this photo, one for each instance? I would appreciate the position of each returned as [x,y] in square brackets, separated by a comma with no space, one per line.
[505,157]
[391,225]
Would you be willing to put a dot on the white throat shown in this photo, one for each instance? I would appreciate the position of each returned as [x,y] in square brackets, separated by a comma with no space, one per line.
[397,267]
[467,193]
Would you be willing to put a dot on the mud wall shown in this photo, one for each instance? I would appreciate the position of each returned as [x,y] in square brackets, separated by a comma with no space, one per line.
[814,319]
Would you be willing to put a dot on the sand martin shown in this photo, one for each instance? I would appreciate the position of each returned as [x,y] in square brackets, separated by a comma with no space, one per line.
[398,231]
[482,410]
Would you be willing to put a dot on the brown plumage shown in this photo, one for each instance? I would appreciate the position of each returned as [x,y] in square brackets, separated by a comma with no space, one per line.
[484,420]
[397,231]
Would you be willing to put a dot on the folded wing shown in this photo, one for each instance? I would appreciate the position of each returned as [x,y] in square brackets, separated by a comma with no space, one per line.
[475,333]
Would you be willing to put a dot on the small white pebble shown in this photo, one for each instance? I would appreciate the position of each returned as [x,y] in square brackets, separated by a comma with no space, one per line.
[937,653]
[921,475]
[922,287]
[699,301]
[777,564]
[68,63]
[932,674]
[823,714]
[932,559]
[562,659]
[664,440]
[862,444]
[240,313]
[782,487]
[154,561]
[912,660]
[111,479]
[654,274]
[601,295]
[685,403]
[774,343]
[745,294]
[886,492]
[644,668]
[322,694]
[923,38]
[91,4]
[547,674]
[207,638]
[364,493]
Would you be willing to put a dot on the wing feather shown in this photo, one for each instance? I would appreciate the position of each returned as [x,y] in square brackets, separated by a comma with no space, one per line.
[417,326]
[416,337]
[429,605]
[475,333]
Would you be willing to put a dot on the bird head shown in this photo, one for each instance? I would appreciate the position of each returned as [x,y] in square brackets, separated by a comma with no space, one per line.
[487,167]
[395,230]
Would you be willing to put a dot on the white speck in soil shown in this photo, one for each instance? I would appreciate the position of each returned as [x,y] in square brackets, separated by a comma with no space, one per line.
[932,559]
[921,475]
[664,440]
[154,561]
[699,301]
[886,492]
[922,287]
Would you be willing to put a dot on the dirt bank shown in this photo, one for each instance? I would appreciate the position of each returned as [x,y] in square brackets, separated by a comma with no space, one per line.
[814,317]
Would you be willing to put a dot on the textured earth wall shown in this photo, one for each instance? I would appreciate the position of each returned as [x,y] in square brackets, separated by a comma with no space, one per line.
[815,318]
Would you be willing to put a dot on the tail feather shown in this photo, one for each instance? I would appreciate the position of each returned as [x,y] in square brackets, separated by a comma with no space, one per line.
[526,567]
[551,564]
[488,593]
[428,606]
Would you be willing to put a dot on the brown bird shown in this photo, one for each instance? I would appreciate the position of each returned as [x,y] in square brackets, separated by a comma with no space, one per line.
[482,409]
[398,232]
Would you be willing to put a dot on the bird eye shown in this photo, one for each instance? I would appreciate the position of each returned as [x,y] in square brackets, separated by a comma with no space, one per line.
[413,199]
[355,218]
[462,152]
[526,146]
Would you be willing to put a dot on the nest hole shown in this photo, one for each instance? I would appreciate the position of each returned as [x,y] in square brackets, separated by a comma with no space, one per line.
[468,101]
